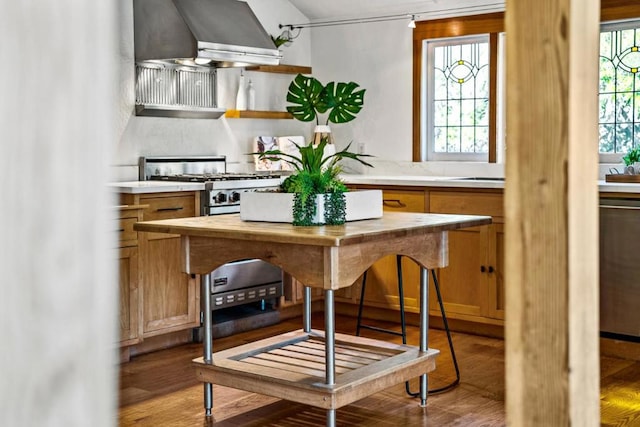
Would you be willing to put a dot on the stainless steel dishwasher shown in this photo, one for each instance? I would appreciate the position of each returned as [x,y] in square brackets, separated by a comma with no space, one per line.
[620,268]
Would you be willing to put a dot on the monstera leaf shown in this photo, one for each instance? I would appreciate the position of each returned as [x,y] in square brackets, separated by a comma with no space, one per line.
[304,93]
[342,101]
[310,98]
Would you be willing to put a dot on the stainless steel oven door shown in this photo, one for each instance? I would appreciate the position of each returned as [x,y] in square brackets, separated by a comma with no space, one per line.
[245,281]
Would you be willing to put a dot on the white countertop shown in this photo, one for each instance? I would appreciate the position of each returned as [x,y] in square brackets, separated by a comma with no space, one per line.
[139,187]
[460,182]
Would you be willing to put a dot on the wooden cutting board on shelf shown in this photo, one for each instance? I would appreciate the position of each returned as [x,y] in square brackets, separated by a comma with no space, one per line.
[622,178]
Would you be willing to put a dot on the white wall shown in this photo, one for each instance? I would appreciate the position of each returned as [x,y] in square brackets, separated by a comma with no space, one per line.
[148,136]
[377,56]
[58,303]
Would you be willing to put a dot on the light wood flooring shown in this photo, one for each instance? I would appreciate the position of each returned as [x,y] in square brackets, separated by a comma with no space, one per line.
[160,389]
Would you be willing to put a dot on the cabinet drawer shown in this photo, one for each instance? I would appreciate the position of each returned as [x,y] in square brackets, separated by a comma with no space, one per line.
[466,203]
[174,206]
[403,201]
[170,207]
[126,231]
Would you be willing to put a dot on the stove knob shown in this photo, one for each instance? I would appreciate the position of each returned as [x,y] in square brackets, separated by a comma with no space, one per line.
[235,197]
[221,198]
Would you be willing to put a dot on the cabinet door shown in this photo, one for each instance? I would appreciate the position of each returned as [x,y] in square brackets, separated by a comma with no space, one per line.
[382,277]
[128,296]
[462,282]
[171,299]
[472,284]
[495,273]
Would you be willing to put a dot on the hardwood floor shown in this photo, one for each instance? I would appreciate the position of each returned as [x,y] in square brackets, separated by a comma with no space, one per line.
[160,389]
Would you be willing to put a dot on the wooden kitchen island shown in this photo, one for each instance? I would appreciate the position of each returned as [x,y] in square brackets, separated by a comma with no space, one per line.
[318,368]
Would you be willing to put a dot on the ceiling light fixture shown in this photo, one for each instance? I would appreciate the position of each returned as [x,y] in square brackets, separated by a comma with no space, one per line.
[412,22]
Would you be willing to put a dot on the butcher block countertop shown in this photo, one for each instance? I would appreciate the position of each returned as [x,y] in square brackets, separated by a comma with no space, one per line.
[307,252]
[391,225]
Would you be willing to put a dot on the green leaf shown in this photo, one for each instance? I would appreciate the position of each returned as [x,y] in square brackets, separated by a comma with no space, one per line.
[304,93]
[343,100]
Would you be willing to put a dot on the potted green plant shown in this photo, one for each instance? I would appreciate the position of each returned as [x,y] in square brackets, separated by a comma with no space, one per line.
[315,183]
[630,159]
[315,175]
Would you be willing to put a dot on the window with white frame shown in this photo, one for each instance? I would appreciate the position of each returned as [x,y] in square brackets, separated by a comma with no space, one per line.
[619,93]
[456,88]
[456,101]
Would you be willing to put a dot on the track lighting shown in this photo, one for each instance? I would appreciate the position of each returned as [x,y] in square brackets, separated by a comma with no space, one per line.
[412,22]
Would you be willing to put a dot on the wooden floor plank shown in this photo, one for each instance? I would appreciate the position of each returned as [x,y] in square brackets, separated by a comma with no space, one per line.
[160,389]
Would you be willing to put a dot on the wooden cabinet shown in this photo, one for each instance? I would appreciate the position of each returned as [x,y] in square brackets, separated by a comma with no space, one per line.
[472,285]
[129,297]
[382,278]
[171,298]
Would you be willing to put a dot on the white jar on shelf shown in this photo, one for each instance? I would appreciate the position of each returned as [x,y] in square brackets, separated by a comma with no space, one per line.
[241,97]
[251,96]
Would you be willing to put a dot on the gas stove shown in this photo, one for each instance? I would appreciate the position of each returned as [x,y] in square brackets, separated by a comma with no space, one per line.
[240,282]
[222,189]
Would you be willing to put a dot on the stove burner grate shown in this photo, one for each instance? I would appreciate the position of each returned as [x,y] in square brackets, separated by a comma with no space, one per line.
[212,177]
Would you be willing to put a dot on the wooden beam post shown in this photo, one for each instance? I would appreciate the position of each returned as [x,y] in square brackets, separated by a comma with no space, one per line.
[551,198]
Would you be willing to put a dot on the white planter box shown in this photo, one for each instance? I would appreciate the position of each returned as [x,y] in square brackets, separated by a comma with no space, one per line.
[278,207]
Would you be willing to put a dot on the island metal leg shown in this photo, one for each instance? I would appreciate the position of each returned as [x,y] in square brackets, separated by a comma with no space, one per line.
[306,310]
[424,328]
[329,349]
[207,344]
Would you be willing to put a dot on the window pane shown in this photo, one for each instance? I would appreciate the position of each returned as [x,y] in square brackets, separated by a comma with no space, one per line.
[440,113]
[607,108]
[460,106]
[608,138]
[453,139]
[468,143]
[440,139]
[619,97]
[624,138]
[624,108]
[482,139]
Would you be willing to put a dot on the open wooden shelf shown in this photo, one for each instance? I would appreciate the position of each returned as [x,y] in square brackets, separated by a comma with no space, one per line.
[282,69]
[291,366]
[254,114]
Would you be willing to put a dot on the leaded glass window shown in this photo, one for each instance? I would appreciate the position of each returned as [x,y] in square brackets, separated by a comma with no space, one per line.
[458,98]
[619,93]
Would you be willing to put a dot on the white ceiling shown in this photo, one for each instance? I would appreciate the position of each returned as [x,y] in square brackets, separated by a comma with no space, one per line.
[343,9]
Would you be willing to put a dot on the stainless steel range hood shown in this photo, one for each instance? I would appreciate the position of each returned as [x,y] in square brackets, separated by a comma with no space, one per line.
[219,33]
[179,44]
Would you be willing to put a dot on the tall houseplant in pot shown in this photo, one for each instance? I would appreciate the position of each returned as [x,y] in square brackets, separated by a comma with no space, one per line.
[315,183]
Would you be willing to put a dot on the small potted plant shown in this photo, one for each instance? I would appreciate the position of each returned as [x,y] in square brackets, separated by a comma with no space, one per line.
[315,175]
[318,194]
[631,159]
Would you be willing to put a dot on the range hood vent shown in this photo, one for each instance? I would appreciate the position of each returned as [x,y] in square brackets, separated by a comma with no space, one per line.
[170,90]
[217,33]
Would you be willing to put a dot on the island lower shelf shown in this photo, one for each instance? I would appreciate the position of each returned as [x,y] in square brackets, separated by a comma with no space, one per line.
[290,366]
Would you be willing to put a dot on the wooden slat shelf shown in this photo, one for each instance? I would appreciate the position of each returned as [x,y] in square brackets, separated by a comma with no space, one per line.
[281,69]
[291,366]
[254,114]
[622,178]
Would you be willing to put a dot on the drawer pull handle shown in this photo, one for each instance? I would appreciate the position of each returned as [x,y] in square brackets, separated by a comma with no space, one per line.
[120,230]
[395,203]
[491,269]
[482,269]
[177,208]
